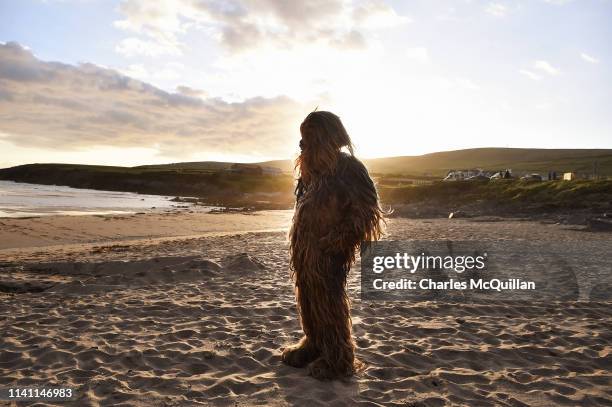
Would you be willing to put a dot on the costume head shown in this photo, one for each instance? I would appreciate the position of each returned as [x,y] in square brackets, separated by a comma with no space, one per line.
[323,137]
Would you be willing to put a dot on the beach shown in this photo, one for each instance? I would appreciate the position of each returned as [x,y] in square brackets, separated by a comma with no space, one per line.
[305,203]
[182,308]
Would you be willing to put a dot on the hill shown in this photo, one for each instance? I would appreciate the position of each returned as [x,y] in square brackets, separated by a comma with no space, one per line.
[216,187]
[265,191]
[229,185]
[517,159]
[521,160]
[198,165]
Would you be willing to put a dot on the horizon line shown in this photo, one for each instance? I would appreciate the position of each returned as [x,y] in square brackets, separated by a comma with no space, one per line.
[290,159]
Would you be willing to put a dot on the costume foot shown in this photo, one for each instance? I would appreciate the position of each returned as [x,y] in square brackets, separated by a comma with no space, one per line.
[320,370]
[298,355]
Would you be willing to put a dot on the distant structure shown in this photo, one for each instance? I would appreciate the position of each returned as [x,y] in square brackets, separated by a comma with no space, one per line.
[504,174]
[532,177]
[460,175]
[569,176]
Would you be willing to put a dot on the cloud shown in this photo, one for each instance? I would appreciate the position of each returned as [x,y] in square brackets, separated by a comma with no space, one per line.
[546,67]
[589,58]
[187,91]
[57,106]
[420,54]
[497,9]
[541,67]
[558,2]
[353,39]
[530,74]
[137,71]
[244,24]
[132,46]
[377,14]
[169,71]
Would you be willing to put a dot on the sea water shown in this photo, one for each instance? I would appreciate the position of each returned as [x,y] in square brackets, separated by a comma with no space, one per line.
[23,200]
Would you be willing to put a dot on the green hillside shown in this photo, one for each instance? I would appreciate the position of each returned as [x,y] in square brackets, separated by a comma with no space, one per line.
[438,164]
[517,159]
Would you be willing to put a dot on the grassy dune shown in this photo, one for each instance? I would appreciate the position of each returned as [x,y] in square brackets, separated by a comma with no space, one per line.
[503,196]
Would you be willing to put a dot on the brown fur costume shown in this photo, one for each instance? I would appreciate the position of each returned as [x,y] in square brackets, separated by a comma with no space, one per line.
[336,209]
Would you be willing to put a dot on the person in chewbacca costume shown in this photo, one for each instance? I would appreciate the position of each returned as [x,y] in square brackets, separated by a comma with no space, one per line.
[337,208]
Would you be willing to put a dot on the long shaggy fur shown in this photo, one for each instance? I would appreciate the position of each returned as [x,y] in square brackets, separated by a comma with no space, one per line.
[337,208]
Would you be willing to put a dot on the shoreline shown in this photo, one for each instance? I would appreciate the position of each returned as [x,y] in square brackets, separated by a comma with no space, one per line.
[48,232]
[59,230]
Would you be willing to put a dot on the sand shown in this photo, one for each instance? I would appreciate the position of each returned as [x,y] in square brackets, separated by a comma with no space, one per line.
[60,231]
[190,309]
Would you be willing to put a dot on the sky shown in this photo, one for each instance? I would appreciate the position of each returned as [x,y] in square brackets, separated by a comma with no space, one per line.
[138,82]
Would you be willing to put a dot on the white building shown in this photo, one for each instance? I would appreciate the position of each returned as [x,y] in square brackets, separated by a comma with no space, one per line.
[460,175]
